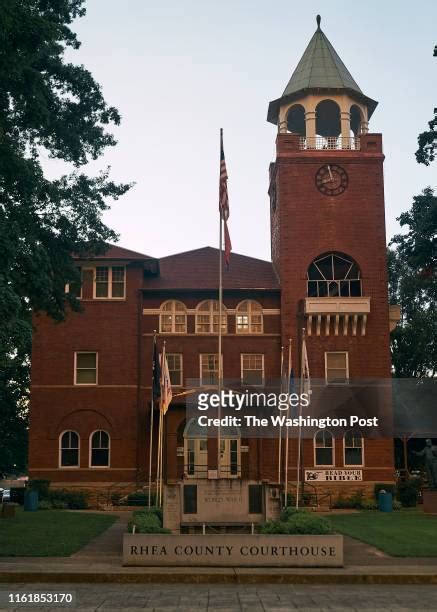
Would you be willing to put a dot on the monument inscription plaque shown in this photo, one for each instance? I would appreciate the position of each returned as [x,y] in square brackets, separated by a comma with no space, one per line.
[232,550]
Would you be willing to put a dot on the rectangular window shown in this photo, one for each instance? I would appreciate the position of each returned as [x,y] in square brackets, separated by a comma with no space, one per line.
[174,361]
[337,368]
[190,499]
[255,499]
[252,369]
[109,282]
[85,369]
[209,369]
[75,287]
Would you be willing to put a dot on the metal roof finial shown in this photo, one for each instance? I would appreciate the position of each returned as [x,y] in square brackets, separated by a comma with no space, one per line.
[318,19]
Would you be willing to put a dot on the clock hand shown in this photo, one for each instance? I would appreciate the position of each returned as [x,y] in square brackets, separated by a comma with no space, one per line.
[330,173]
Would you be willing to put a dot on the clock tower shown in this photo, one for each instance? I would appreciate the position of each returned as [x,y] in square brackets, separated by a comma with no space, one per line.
[329,246]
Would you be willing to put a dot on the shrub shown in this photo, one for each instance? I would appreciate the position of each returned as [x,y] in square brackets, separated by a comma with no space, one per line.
[289,512]
[139,498]
[40,485]
[74,500]
[45,504]
[397,505]
[146,522]
[59,504]
[355,501]
[408,492]
[301,522]
[369,504]
[388,488]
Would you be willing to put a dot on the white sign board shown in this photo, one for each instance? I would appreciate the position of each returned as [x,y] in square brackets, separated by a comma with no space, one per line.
[333,475]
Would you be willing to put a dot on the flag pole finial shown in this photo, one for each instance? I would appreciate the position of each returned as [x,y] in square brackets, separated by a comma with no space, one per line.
[318,19]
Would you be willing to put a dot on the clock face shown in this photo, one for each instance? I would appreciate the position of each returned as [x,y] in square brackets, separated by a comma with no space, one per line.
[331,180]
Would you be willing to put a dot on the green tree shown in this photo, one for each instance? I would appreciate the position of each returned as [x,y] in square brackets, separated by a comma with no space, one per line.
[413,285]
[48,108]
[427,140]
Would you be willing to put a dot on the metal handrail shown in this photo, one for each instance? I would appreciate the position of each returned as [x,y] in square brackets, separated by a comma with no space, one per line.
[329,143]
[201,470]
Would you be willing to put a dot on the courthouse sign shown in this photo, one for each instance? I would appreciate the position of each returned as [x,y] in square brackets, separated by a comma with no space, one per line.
[231,550]
[333,475]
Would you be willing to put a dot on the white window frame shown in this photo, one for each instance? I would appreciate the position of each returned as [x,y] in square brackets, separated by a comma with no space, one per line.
[67,285]
[225,455]
[181,370]
[249,315]
[173,313]
[263,368]
[109,296]
[201,384]
[90,451]
[78,384]
[324,465]
[211,313]
[351,465]
[200,467]
[68,467]
[347,367]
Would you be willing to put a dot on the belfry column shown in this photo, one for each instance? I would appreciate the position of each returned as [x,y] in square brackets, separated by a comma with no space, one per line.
[345,118]
[310,124]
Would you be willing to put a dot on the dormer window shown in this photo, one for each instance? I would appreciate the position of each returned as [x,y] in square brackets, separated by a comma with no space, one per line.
[110,282]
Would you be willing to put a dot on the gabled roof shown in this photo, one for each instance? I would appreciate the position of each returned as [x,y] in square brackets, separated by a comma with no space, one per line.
[199,269]
[320,68]
[115,252]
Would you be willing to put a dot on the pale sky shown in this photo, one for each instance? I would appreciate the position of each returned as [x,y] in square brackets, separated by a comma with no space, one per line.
[178,70]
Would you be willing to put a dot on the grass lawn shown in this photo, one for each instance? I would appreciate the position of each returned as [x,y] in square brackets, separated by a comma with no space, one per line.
[46,533]
[404,533]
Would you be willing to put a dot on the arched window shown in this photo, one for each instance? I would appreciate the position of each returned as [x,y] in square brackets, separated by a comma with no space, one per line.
[296,120]
[356,119]
[173,318]
[207,317]
[353,448]
[249,317]
[323,448]
[333,275]
[99,449]
[328,119]
[69,449]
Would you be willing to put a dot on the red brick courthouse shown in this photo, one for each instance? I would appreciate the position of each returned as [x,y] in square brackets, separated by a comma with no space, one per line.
[91,375]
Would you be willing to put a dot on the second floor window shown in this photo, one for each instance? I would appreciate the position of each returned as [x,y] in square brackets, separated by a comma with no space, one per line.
[85,368]
[252,369]
[207,317]
[249,318]
[109,282]
[173,318]
[174,361]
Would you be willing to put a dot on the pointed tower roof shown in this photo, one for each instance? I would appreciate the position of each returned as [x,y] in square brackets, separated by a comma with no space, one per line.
[320,69]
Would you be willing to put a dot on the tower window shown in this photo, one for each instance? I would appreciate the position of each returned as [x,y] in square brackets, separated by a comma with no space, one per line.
[337,368]
[334,275]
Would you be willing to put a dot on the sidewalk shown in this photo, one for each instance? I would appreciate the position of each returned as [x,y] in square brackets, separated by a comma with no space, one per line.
[100,561]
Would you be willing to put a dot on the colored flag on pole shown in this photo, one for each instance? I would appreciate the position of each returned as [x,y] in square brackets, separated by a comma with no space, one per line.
[224,201]
[306,382]
[156,372]
[166,390]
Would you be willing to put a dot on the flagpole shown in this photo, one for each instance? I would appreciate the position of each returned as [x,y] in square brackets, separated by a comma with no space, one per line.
[220,369]
[151,422]
[280,426]
[299,443]
[288,411]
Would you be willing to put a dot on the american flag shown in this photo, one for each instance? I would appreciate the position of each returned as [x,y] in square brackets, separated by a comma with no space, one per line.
[224,201]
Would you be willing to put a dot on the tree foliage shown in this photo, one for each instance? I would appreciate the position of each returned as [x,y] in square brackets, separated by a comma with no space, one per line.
[48,108]
[413,285]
